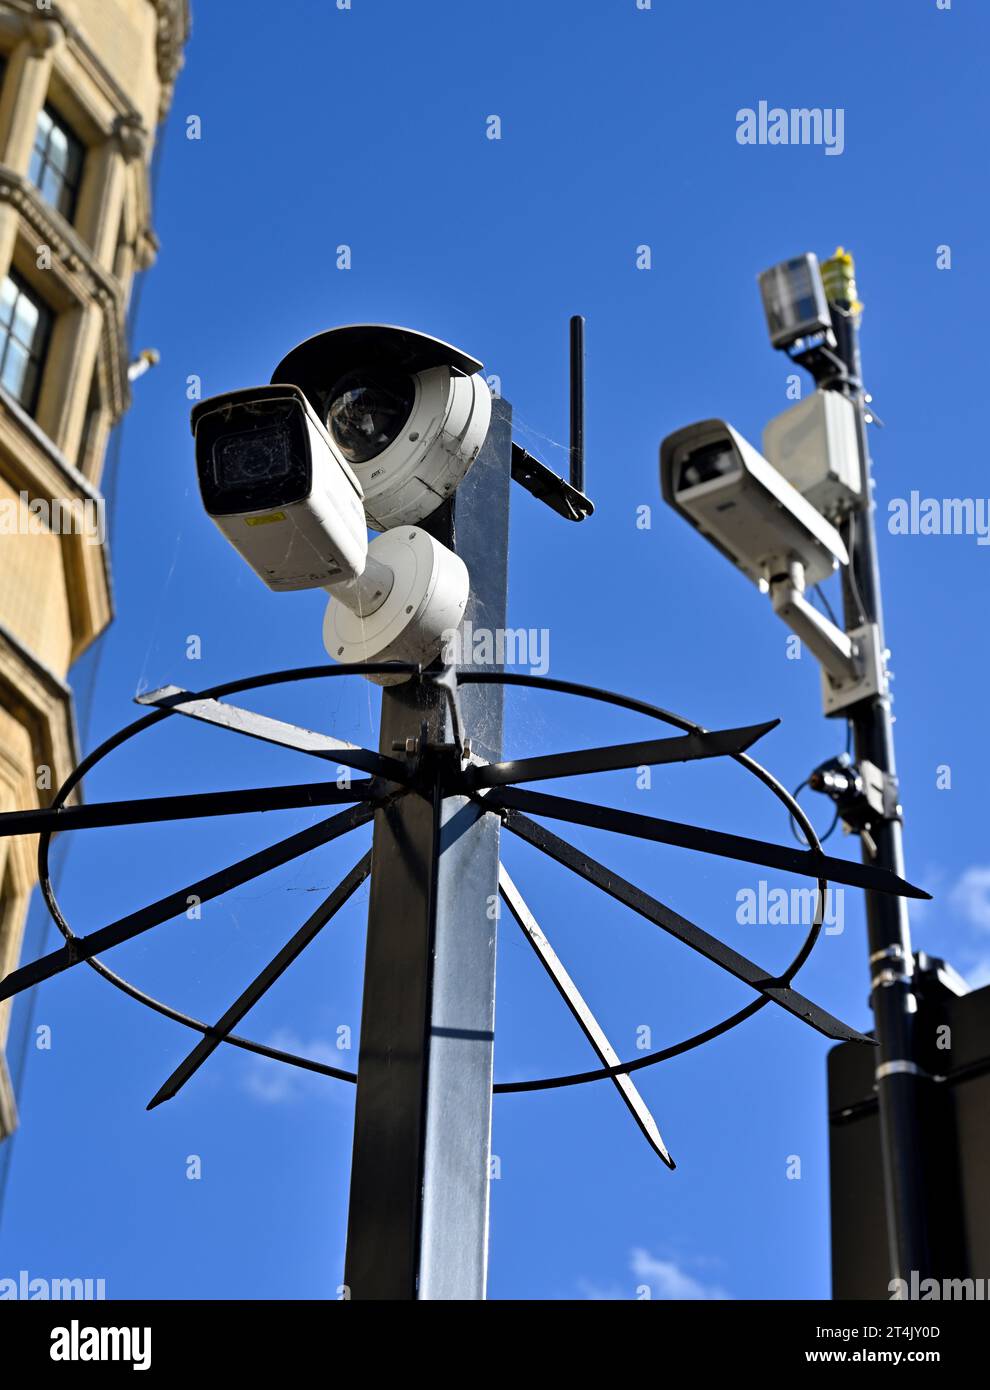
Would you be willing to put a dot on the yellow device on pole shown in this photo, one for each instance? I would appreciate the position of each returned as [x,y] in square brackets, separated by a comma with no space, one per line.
[839,276]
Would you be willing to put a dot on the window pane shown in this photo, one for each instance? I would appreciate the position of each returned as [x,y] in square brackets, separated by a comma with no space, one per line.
[74,166]
[56,163]
[15,369]
[25,326]
[29,385]
[58,148]
[50,185]
[65,202]
[26,317]
[8,294]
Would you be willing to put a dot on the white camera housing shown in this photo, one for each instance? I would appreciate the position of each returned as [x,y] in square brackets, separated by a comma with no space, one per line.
[275,486]
[407,411]
[728,491]
[815,446]
[426,603]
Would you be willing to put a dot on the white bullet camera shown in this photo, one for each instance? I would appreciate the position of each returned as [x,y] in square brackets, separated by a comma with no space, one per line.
[408,412]
[729,492]
[281,491]
[275,486]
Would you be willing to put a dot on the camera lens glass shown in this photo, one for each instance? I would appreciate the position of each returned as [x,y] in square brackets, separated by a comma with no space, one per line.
[710,461]
[367,412]
[251,457]
[253,454]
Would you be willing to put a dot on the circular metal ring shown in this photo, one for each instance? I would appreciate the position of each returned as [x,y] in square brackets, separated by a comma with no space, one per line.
[468,677]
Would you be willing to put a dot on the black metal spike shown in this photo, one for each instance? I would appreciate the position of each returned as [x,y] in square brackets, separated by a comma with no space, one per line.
[699,940]
[152,809]
[262,727]
[696,837]
[262,982]
[582,1014]
[83,947]
[651,752]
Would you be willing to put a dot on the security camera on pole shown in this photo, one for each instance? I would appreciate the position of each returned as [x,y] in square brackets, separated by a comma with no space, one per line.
[787,521]
[380,428]
[293,476]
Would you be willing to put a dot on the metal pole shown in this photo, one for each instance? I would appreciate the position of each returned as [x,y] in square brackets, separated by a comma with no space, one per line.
[418,1214]
[903,1087]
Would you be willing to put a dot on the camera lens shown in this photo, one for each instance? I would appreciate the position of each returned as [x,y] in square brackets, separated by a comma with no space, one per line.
[367,412]
[710,461]
[253,456]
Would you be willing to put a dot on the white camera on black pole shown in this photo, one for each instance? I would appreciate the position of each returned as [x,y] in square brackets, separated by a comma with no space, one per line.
[750,512]
[373,426]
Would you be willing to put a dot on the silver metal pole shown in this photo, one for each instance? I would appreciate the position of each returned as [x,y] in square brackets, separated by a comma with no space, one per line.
[418,1215]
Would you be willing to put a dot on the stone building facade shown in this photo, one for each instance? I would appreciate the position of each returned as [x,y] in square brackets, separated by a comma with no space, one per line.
[84,85]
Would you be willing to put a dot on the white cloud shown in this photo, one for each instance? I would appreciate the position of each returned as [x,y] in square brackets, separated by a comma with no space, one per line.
[276,1083]
[663,1278]
[971,896]
[666,1280]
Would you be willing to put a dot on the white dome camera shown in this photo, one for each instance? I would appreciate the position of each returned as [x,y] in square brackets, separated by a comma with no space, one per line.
[280,490]
[407,412]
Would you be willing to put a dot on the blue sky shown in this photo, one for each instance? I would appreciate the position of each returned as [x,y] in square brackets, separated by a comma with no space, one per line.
[367,128]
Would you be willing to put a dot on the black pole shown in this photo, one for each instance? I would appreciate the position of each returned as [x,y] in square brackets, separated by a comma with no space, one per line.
[577,402]
[903,1086]
[418,1214]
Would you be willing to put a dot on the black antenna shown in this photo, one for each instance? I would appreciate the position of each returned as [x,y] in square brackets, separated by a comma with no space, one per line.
[577,402]
[565,496]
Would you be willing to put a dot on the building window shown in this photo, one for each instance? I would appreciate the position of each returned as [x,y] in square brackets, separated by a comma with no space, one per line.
[25,329]
[56,163]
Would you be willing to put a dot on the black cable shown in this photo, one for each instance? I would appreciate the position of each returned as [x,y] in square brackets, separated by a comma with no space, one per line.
[794,826]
